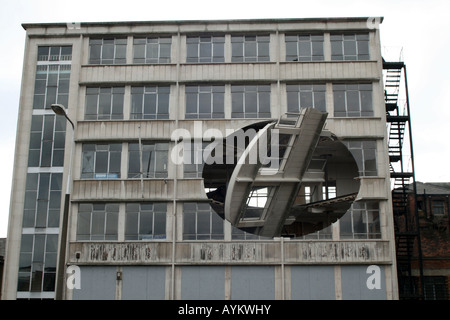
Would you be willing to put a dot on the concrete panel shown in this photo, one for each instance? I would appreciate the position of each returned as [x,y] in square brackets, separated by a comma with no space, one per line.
[129,252]
[143,283]
[363,283]
[97,283]
[252,283]
[202,283]
[219,252]
[372,188]
[312,283]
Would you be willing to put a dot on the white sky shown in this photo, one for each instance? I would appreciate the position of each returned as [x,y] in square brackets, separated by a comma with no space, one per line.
[420,27]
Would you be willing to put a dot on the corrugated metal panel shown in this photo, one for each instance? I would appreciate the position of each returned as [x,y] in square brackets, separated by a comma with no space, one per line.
[143,283]
[255,283]
[97,283]
[202,283]
[312,283]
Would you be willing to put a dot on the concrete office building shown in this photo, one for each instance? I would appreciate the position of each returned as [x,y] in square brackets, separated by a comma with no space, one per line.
[142,226]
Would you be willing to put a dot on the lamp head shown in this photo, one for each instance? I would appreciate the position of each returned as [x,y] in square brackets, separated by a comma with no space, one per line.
[58,109]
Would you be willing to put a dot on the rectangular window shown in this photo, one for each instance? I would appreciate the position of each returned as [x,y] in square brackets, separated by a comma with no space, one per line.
[205,49]
[55,53]
[153,161]
[438,207]
[150,102]
[152,49]
[250,101]
[306,96]
[201,222]
[362,221]
[350,46]
[42,200]
[352,100]
[37,263]
[435,288]
[250,48]
[104,103]
[47,141]
[97,221]
[107,51]
[205,102]
[101,161]
[365,154]
[257,203]
[145,221]
[304,47]
[193,158]
[51,85]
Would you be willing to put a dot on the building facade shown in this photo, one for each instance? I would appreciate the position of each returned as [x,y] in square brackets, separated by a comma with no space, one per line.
[433,208]
[140,225]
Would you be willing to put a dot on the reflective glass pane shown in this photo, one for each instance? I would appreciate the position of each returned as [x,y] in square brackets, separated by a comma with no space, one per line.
[131,223]
[353,101]
[350,47]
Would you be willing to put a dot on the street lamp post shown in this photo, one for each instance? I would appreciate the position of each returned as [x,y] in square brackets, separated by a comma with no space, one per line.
[60,110]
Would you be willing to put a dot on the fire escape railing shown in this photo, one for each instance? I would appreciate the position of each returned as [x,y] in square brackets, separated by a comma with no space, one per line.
[404,193]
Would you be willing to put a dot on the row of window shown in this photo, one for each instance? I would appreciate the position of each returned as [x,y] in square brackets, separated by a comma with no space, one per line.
[42,203]
[146,160]
[208,101]
[244,48]
[147,221]
[103,161]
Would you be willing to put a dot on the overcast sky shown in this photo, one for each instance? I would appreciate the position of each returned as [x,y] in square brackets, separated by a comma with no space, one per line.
[420,28]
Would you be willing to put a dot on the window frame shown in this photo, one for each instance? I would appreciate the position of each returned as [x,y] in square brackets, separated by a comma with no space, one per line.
[119,52]
[242,95]
[298,41]
[194,212]
[358,216]
[344,100]
[243,45]
[437,207]
[109,214]
[161,44]
[141,102]
[37,263]
[213,44]
[199,96]
[193,162]
[154,213]
[51,85]
[296,95]
[54,53]
[42,202]
[365,155]
[47,141]
[340,43]
[111,173]
[159,148]
[96,96]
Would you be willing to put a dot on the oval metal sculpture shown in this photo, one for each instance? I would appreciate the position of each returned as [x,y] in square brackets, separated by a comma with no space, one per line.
[289,177]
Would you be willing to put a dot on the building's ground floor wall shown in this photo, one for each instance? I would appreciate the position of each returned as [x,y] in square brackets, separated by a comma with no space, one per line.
[235,282]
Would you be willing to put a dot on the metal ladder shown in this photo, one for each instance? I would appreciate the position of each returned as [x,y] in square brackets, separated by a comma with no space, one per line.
[406,224]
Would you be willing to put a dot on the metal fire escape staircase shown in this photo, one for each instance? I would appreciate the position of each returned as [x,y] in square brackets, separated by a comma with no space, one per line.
[406,224]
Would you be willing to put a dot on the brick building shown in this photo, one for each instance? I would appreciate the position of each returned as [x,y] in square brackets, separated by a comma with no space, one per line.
[433,208]
[434,255]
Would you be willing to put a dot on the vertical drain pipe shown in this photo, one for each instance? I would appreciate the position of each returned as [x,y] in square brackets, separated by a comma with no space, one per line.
[278,57]
[175,180]
[282,269]
[141,172]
